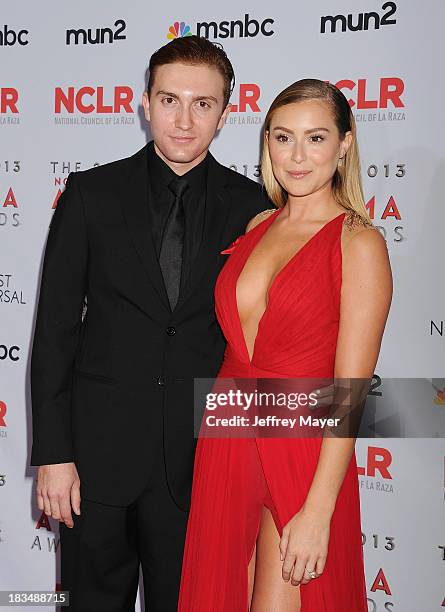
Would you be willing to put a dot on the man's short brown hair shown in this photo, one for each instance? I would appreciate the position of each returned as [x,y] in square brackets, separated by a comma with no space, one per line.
[194,50]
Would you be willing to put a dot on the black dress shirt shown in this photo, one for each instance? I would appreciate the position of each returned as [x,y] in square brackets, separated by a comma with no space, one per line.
[161,198]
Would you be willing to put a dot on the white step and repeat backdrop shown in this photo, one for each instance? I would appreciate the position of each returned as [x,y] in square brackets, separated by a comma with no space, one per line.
[71,80]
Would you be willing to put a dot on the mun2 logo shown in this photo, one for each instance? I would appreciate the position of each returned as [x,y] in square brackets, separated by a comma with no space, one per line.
[178,30]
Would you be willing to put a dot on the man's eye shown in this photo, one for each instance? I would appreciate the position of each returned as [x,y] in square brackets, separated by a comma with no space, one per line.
[168,100]
[203,104]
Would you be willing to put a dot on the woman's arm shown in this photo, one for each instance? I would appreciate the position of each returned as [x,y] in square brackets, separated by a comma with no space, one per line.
[365,300]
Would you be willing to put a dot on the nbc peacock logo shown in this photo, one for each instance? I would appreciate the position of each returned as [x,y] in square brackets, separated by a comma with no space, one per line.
[178,30]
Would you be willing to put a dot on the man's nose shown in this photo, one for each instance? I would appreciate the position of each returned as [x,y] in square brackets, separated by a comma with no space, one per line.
[184,120]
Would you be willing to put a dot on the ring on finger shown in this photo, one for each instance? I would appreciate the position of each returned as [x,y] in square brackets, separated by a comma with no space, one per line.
[312,573]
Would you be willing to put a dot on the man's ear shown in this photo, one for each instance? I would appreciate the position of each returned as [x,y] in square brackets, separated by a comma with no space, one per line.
[224,116]
[146,105]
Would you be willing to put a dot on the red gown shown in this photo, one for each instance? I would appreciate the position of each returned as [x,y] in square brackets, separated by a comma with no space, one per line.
[234,477]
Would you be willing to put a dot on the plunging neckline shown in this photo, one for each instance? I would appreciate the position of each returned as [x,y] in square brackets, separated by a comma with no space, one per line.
[272,217]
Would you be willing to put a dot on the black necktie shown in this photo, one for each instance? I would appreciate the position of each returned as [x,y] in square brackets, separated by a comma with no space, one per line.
[170,256]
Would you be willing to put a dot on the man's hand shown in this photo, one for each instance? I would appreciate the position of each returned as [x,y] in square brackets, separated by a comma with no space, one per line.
[58,488]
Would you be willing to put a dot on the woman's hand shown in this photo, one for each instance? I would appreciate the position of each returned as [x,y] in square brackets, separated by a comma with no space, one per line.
[304,545]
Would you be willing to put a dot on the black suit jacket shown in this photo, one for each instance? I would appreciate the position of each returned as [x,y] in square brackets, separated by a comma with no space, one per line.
[107,388]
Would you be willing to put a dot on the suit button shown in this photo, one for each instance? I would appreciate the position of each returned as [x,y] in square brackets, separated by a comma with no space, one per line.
[160,381]
[171,331]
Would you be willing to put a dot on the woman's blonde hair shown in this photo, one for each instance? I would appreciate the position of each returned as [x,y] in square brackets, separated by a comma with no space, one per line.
[346,183]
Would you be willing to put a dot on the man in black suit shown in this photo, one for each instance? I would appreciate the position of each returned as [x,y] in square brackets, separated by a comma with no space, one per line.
[139,240]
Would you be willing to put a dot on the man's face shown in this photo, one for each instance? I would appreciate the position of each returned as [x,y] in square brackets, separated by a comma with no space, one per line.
[185,109]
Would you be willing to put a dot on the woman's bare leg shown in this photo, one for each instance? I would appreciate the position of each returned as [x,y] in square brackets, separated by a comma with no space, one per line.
[251,575]
[271,593]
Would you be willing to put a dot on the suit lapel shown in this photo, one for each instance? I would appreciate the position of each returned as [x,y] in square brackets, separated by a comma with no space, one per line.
[134,202]
[217,208]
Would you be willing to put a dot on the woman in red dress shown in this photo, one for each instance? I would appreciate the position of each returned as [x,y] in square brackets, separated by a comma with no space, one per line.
[274,523]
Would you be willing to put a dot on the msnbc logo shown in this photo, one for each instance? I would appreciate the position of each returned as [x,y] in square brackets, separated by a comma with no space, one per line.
[178,30]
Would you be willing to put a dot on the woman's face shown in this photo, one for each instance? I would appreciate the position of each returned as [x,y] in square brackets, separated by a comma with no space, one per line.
[305,146]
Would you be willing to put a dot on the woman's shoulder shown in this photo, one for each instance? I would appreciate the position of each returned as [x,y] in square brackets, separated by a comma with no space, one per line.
[264,214]
[359,234]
